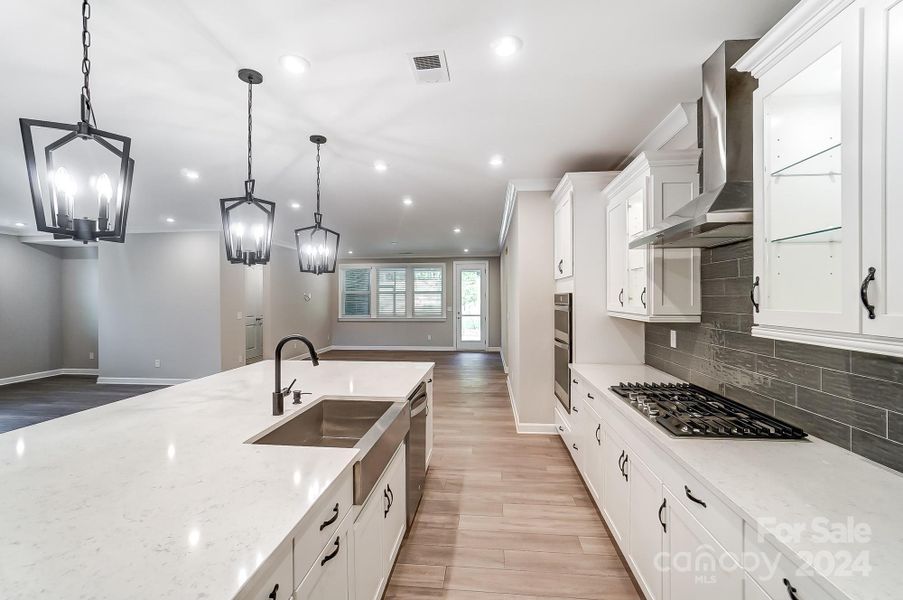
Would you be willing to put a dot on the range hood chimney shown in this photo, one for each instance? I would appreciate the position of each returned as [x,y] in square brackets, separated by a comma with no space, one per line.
[722,213]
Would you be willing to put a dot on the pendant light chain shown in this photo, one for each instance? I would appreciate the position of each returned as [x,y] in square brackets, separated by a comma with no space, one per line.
[250,126]
[87,109]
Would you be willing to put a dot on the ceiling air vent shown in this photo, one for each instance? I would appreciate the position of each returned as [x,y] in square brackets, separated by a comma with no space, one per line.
[429,67]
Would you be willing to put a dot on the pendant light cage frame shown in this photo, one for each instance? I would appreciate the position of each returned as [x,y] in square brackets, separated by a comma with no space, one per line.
[260,253]
[110,224]
[317,246]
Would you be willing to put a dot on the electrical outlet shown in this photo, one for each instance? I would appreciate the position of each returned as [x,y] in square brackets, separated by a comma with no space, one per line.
[90,356]
[429,337]
[673,339]
[157,363]
[239,316]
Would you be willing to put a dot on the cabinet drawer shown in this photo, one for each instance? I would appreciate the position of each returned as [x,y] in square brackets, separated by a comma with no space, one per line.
[321,527]
[561,425]
[273,577]
[776,573]
[719,520]
[328,576]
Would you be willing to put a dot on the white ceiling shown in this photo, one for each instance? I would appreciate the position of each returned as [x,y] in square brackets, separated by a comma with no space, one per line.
[593,77]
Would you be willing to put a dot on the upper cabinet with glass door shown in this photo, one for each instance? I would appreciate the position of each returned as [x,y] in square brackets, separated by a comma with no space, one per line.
[822,210]
[651,284]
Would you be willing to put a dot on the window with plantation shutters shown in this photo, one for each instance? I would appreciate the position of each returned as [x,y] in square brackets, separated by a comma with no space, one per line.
[356,292]
[391,296]
[428,299]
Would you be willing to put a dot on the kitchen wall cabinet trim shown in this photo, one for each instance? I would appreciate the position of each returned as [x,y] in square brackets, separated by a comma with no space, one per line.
[651,284]
[563,236]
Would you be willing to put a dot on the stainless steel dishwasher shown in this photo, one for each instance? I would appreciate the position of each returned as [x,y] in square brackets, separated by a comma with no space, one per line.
[416,449]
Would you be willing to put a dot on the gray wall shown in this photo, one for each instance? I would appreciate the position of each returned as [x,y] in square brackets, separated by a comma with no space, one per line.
[232,302]
[160,299]
[415,333]
[30,308]
[285,310]
[847,398]
[79,307]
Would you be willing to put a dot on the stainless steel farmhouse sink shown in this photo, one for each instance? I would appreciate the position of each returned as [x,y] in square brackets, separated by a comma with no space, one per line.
[375,427]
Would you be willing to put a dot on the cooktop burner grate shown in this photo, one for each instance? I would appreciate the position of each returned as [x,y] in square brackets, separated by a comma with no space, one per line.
[685,410]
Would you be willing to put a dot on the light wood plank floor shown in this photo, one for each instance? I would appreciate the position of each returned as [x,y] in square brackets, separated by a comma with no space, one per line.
[504,516]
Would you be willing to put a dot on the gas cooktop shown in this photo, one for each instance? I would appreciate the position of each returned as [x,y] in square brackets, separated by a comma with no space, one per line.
[685,410]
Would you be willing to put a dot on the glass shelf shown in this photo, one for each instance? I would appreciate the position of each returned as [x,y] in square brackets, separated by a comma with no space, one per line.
[819,236]
[818,164]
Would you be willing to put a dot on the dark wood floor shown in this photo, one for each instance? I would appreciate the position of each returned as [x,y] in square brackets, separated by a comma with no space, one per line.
[504,516]
[30,402]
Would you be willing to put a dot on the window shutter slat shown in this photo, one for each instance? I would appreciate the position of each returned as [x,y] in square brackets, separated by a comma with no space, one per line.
[428,287]
[356,286]
[390,291]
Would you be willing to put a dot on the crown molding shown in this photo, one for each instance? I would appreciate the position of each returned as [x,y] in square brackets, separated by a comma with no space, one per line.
[515,186]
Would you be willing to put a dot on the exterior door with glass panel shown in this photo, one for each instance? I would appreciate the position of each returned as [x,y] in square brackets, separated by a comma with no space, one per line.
[471,306]
[253,314]
[807,202]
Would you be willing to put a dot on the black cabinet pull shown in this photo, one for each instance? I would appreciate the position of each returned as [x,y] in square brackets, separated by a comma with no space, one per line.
[624,467]
[643,297]
[332,554]
[620,462]
[332,519]
[386,503]
[560,428]
[561,266]
[575,381]
[574,408]
[598,433]
[621,297]
[430,380]
[574,446]
[661,509]
[272,595]
[864,292]
[791,591]
[590,396]
[694,498]
[752,294]
[391,496]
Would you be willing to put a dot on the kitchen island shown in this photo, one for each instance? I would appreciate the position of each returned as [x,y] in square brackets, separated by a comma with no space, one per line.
[160,495]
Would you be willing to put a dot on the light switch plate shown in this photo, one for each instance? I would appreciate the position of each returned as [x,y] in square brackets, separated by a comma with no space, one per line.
[239,316]
[673,338]
[157,363]
[90,356]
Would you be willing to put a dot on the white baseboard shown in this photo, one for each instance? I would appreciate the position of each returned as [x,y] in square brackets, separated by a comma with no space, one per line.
[504,364]
[45,374]
[398,348]
[528,428]
[306,355]
[494,349]
[140,381]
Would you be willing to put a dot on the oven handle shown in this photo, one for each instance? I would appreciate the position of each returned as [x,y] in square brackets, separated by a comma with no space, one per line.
[561,344]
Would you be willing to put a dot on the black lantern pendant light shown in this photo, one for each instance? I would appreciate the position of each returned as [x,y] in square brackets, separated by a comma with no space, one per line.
[86,171]
[318,247]
[248,221]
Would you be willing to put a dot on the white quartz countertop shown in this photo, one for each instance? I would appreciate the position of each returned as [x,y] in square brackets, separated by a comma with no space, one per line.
[772,484]
[158,496]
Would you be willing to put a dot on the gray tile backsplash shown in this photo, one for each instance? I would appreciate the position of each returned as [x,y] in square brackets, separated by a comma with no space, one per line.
[850,399]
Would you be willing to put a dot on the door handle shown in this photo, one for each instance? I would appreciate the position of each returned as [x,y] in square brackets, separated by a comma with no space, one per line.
[275,591]
[791,591]
[332,519]
[332,554]
[661,509]
[694,498]
[621,297]
[752,294]
[864,292]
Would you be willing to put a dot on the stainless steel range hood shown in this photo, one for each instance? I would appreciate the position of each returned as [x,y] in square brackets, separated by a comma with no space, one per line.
[722,214]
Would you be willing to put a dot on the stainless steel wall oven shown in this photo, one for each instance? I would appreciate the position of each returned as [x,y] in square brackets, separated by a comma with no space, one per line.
[563,353]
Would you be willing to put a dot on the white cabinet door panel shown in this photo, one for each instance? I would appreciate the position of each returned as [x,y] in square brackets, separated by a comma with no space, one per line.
[646,507]
[615,486]
[882,182]
[369,570]
[328,579]
[395,515]
[616,266]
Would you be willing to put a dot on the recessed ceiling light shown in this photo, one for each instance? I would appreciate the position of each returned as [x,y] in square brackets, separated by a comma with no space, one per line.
[170,220]
[466,249]
[351,252]
[507,45]
[191,174]
[496,161]
[394,243]
[294,64]
[456,230]
[407,201]
[380,166]
[295,205]
[20,224]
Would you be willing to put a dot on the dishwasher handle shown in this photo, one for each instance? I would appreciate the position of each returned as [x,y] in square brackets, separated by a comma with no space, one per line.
[418,405]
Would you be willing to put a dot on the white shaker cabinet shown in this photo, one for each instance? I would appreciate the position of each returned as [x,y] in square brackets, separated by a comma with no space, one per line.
[828,255]
[651,284]
[563,224]
[646,527]
[616,486]
[329,578]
